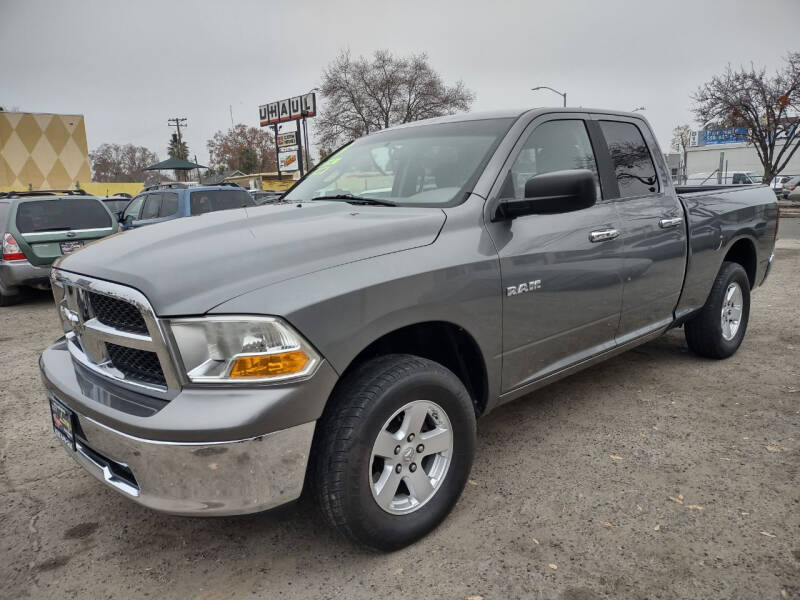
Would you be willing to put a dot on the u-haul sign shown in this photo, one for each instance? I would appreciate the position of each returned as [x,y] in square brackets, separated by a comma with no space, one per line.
[288,110]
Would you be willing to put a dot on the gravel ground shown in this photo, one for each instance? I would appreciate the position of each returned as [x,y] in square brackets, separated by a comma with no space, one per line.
[654,475]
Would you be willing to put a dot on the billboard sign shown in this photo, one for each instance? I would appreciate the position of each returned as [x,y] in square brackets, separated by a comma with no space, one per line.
[729,135]
[287,160]
[289,109]
[287,139]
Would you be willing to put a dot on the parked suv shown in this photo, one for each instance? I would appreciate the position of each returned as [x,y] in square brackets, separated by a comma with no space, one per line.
[165,202]
[39,227]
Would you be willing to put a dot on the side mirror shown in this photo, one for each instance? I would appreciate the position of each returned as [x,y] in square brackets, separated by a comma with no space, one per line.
[549,193]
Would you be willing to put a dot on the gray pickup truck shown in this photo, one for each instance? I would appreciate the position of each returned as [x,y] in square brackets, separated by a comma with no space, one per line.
[347,339]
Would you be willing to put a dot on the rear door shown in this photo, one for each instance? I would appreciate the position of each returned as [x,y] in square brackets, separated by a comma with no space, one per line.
[561,281]
[53,227]
[653,228]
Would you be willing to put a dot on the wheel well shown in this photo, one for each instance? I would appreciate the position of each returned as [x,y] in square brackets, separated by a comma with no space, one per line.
[744,253]
[439,341]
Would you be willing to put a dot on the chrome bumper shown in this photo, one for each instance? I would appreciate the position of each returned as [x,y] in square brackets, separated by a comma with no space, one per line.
[14,273]
[214,479]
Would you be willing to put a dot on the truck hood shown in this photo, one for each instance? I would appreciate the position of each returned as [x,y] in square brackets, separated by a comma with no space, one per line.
[188,266]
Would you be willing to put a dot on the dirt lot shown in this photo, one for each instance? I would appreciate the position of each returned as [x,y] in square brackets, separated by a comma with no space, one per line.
[654,475]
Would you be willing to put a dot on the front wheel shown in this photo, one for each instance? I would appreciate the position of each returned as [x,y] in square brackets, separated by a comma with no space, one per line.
[394,452]
[718,329]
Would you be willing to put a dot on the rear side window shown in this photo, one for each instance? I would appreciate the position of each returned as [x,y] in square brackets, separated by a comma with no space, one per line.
[152,205]
[633,165]
[169,204]
[62,214]
[214,200]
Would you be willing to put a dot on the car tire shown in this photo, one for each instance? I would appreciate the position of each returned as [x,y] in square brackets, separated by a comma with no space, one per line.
[382,502]
[719,328]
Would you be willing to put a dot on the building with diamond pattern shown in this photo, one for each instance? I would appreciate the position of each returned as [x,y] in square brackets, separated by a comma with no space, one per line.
[43,151]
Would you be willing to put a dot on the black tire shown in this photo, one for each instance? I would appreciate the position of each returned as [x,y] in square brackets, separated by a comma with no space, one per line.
[355,415]
[704,332]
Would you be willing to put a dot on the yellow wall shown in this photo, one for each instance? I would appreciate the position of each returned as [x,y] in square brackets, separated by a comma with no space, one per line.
[97,189]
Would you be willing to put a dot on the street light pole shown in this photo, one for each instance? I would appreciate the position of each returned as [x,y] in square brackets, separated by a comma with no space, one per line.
[544,87]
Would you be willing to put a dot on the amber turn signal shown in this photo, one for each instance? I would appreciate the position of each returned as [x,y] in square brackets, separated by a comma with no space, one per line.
[269,365]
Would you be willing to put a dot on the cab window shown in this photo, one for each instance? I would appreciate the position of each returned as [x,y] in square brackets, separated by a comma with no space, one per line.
[633,165]
[553,146]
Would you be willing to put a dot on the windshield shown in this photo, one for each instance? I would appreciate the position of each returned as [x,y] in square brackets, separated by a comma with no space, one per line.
[62,214]
[426,165]
[756,178]
[116,205]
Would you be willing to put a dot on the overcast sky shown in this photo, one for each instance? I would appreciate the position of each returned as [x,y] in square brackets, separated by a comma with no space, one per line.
[129,66]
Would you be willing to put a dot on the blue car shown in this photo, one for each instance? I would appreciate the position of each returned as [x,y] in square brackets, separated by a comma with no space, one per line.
[165,202]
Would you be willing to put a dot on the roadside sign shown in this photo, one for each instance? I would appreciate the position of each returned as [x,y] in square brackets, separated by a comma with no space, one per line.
[287,160]
[290,109]
[287,139]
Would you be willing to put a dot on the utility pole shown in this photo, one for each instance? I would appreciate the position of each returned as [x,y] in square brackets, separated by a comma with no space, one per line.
[177,123]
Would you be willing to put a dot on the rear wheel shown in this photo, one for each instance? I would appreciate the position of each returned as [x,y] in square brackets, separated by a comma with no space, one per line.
[395,449]
[719,328]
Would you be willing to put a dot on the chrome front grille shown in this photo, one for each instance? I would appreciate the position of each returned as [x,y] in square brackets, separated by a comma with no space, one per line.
[112,330]
[117,313]
[137,364]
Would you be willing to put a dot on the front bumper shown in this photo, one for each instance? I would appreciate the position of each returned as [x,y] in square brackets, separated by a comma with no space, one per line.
[14,273]
[204,452]
[217,479]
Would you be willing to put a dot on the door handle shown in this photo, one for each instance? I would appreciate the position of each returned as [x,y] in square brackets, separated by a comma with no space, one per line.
[672,222]
[602,235]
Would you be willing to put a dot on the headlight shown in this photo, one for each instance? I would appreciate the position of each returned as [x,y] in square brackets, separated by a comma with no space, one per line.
[242,350]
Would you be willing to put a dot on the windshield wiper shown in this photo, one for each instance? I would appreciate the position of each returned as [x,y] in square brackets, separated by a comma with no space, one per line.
[353,198]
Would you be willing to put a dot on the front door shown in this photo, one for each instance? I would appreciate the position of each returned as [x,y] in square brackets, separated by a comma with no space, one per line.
[561,273]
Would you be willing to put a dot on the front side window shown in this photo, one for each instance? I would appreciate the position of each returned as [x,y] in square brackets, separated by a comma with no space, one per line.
[420,165]
[151,207]
[633,165]
[552,146]
[132,210]
[62,214]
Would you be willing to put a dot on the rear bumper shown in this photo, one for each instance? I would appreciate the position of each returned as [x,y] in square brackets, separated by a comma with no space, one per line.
[15,273]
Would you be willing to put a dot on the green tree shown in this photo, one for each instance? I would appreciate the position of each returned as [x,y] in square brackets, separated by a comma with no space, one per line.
[248,161]
[177,150]
[767,105]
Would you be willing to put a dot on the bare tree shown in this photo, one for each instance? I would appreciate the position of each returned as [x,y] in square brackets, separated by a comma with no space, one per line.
[767,105]
[681,136]
[115,162]
[363,95]
[243,148]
